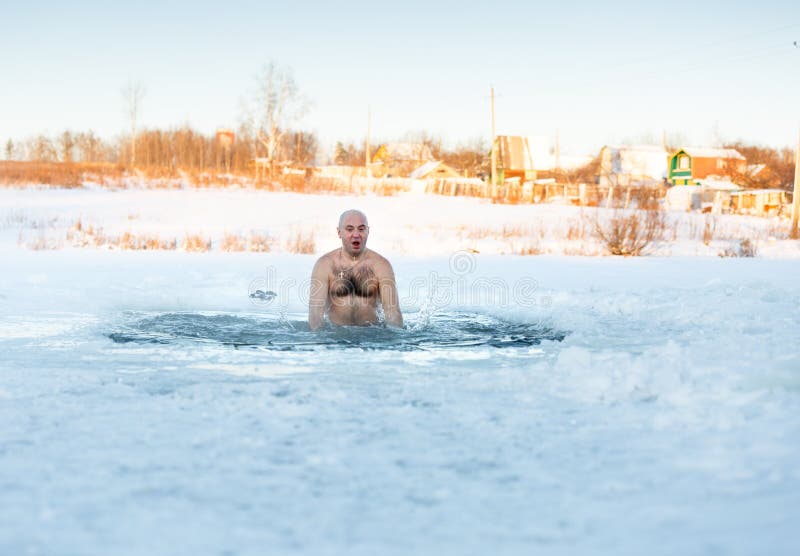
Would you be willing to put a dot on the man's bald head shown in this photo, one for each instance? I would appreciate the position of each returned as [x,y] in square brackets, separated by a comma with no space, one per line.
[352,212]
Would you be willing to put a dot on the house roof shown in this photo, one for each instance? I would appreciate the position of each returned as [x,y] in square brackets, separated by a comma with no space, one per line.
[638,148]
[722,185]
[712,152]
[425,169]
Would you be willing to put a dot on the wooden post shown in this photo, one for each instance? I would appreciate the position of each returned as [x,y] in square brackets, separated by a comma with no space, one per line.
[494,149]
[628,197]
[558,154]
[610,196]
[366,144]
[582,193]
[796,193]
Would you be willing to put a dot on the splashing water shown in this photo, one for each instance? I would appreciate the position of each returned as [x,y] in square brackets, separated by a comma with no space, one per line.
[291,333]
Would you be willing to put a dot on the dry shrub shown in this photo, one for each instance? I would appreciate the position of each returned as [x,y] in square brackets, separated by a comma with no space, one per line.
[41,243]
[506,232]
[80,235]
[647,198]
[630,233]
[778,230]
[302,243]
[576,229]
[58,174]
[196,243]
[709,229]
[530,248]
[232,243]
[740,248]
[132,242]
[259,243]
[514,231]
[478,232]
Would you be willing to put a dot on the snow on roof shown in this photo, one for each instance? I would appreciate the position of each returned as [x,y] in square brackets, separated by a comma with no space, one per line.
[425,169]
[724,185]
[641,148]
[712,152]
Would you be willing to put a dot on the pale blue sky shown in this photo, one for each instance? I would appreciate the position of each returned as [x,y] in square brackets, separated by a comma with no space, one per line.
[598,72]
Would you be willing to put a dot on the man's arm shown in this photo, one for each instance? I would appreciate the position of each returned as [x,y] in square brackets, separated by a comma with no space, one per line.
[389,297]
[318,294]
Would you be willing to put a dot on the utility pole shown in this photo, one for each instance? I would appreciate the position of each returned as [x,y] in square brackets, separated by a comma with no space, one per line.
[558,153]
[494,149]
[796,193]
[366,145]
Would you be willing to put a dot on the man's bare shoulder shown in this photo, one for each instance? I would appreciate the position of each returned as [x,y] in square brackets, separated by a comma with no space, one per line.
[380,262]
[326,260]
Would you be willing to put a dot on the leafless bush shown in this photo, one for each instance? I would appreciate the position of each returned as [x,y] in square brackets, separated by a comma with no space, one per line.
[232,243]
[709,229]
[576,229]
[147,242]
[630,233]
[302,243]
[778,230]
[196,244]
[41,243]
[647,198]
[740,248]
[531,247]
[259,243]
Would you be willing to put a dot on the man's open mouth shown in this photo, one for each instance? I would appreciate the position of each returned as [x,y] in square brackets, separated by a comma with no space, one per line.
[356,244]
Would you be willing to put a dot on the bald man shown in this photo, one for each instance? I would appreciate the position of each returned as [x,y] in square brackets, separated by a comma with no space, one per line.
[351,282]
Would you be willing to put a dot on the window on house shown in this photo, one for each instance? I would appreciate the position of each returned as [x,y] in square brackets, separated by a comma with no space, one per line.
[683,162]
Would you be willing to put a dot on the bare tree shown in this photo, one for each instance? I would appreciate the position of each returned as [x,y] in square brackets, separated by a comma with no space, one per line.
[89,146]
[133,93]
[9,150]
[278,104]
[66,144]
[41,149]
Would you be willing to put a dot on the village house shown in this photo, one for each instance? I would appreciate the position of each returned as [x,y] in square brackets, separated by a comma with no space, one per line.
[690,164]
[399,159]
[522,157]
[632,165]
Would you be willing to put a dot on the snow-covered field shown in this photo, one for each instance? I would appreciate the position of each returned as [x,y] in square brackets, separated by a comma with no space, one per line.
[408,224]
[550,404]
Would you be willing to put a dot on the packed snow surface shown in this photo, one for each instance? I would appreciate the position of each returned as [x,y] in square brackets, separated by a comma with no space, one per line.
[150,405]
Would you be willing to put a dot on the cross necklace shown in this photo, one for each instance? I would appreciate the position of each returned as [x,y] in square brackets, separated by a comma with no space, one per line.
[356,260]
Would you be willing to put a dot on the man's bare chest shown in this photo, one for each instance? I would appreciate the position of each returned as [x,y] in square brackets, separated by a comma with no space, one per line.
[359,281]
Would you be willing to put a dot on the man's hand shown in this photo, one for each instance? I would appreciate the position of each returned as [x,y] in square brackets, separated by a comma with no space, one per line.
[318,294]
[388,293]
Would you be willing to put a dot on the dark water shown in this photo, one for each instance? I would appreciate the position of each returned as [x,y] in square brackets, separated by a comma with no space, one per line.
[456,330]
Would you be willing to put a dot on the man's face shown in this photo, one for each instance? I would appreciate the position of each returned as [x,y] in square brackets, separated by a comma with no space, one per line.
[354,232]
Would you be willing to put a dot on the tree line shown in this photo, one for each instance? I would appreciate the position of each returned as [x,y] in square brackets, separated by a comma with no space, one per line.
[269,131]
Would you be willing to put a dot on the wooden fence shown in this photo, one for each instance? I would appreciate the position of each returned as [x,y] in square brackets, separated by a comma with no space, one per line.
[532,193]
